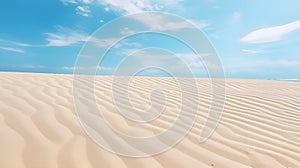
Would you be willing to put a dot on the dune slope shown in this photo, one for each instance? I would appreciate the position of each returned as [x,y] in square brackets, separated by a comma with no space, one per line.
[260,125]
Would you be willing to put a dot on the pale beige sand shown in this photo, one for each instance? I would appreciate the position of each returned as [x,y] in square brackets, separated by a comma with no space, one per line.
[260,126]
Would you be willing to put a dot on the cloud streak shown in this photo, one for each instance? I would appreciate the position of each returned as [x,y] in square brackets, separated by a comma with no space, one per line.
[15,43]
[76,1]
[12,49]
[83,10]
[136,6]
[271,34]
[162,23]
[65,37]
[246,51]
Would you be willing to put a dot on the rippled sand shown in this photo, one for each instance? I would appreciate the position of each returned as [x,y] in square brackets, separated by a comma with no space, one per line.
[260,125]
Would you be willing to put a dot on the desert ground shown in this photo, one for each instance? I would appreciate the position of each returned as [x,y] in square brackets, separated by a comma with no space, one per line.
[259,128]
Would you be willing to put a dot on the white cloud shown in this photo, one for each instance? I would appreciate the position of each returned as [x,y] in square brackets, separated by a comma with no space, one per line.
[128,44]
[192,60]
[83,10]
[99,68]
[196,61]
[246,51]
[162,23]
[65,37]
[109,42]
[167,60]
[136,6]
[30,66]
[67,68]
[126,31]
[12,49]
[128,6]
[103,42]
[87,1]
[76,1]
[26,66]
[65,2]
[15,43]
[271,34]
[122,6]
[13,46]
[200,24]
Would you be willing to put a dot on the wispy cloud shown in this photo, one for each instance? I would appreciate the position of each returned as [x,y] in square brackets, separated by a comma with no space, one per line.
[15,43]
[82,7]
[30,66]
[17,50]
[87,1]
[162,23]
[83,10]
[193,59]
[102,43]
[271,34]
[247,51]
[69,2]
[98,68]
[201,24]
[128,6]
[23,66]
[13,46]
[185,64]
[65,37]
[136,6]
[76,1]
[126,31]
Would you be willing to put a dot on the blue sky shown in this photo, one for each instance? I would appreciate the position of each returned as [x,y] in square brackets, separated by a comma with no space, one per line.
[254,38]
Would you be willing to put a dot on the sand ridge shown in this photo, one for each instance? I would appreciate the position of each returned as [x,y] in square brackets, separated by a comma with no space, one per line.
[260,126]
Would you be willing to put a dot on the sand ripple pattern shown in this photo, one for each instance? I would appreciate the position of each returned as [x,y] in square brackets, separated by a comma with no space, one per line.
[260,126]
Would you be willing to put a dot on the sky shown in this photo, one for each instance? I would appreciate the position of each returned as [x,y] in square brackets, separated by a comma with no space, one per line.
[253,38]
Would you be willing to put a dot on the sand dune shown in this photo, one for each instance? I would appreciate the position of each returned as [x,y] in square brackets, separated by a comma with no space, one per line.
[260,126]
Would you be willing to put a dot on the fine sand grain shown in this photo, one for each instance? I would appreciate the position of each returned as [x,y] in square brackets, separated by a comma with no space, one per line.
[260,125]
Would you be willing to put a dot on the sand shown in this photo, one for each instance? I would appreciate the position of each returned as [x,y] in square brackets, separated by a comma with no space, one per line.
[260,125]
